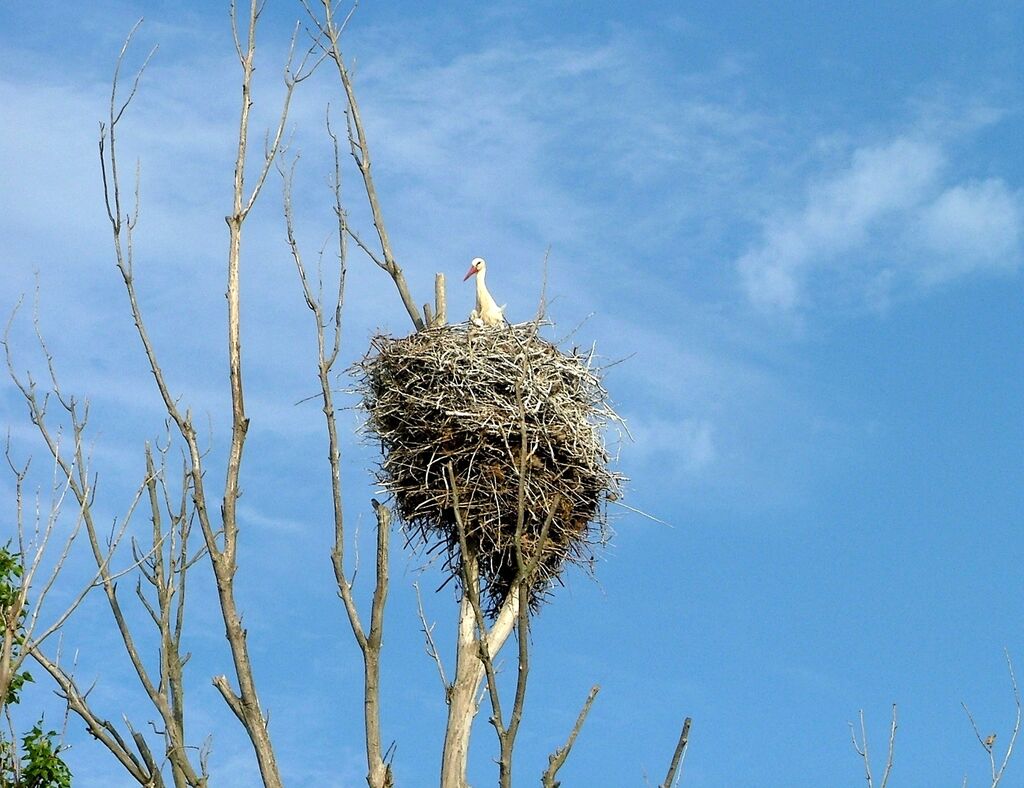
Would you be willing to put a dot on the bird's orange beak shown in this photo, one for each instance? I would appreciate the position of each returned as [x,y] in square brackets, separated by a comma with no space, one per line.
[472,270]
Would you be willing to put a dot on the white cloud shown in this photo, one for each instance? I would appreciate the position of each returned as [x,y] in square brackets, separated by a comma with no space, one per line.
[971,226]
[888,211]
[841,212]
[685,445]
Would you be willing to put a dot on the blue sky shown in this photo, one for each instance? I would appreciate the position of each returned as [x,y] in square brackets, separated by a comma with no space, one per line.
[802,223]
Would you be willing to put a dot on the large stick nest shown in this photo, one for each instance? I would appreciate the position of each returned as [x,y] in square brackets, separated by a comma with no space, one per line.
[459,397]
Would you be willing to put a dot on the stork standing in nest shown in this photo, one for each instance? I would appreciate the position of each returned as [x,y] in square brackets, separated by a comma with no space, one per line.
[487,312]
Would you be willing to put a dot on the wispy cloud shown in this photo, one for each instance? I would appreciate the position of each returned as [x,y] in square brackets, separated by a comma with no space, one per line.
[890,208]
[970,226]
[683,446]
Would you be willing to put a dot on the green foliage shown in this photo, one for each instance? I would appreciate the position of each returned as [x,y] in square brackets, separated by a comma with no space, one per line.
[14,690]
[39,765]
[12,616]
[10,571]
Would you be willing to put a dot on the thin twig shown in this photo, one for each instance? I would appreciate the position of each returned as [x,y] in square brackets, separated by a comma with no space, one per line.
[889,760]
[430,646]
[988,743]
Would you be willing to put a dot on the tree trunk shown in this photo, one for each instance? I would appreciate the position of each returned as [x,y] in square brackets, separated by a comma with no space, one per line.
[469,671]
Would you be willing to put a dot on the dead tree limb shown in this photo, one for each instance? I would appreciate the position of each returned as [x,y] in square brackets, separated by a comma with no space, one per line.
[221,544]
[76,478]
[988,743]
[379,773]
[862,749]
[146,772]
[557,759]
[440,301]
[675,766]
[331,31]
[469,672]
[429,645]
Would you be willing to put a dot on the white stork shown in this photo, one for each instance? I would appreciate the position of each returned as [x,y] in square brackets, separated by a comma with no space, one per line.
[487,312]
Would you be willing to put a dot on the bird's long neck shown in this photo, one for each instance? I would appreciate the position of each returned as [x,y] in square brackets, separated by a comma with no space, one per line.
[483,296]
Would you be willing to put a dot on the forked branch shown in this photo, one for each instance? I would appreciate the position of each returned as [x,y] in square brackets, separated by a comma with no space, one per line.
[221,543]
[379,773]
[861,749]
[72,472]
[519,596]
[137,761]
[988,743]
[331,30]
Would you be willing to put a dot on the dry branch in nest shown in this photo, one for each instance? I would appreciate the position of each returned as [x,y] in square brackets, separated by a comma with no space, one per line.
[460,396]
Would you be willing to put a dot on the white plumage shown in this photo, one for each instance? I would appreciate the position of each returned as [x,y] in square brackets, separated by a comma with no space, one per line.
[487,312]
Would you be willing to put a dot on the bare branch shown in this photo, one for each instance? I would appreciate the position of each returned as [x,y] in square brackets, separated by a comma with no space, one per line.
[557,759]
[362,245]
[675,767]
[430,646]
[542,303]
[379,772]
[1016,720]
[292,77]
[101,729]
[361,155]
[379,775]
[892,745]
[988,743]
[862,749]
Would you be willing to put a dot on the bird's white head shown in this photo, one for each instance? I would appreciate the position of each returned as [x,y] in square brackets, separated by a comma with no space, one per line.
[476,267]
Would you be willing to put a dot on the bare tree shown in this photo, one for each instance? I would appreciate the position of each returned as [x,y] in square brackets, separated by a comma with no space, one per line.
[473,640]
[164,563]
[179,499]
[222,546]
